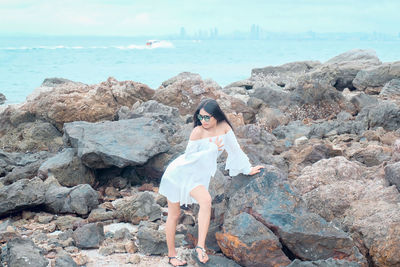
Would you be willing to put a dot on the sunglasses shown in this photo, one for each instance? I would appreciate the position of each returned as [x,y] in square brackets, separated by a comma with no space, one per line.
[205,117]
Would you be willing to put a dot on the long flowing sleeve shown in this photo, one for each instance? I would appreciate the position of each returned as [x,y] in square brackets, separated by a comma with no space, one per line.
[237,161]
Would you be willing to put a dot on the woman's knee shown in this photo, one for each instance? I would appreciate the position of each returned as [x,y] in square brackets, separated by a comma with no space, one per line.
[205,201]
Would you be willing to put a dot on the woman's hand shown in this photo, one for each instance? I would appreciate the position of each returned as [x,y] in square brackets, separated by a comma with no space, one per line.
[256,169]
[218,142]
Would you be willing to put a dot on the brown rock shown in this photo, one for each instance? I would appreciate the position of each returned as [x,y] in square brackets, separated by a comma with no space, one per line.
[72,101]
[250,243]
[186,90]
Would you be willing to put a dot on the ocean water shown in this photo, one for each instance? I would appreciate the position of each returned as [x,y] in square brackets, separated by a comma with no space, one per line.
[26,61]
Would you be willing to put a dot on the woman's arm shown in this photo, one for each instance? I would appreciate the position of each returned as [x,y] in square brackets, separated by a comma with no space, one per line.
[237,161]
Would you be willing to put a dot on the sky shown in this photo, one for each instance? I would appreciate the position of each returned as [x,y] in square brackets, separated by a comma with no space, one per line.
[159,17]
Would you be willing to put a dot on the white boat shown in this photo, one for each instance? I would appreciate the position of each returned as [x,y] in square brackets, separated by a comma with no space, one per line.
[152,42]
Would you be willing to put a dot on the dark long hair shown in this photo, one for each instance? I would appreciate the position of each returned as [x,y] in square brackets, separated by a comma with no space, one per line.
[210,106]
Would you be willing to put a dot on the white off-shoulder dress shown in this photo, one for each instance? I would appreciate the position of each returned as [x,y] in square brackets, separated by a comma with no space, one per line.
[198,164]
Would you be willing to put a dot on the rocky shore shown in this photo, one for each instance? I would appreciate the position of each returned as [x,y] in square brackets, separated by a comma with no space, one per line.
[80,167]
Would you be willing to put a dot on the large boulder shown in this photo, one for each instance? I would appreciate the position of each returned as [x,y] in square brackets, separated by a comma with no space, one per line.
[272,202]
[21,194]
[65,101]
[118,143]
[371,80]
[67,168]
[80,199]
[186,90]
[385,114]
[359,201]
[22,252]
[285,76]
[250,243]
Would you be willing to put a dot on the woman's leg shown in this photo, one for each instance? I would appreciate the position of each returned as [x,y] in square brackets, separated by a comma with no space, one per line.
[174,212]
[202,196]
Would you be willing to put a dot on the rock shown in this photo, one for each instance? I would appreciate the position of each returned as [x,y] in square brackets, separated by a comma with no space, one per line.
[100,215]
[372,155]
[117,145]
[250,243]
[372,80]
[133,259]
[20,252]
[31,137]
[2,99]
[360,56]
[292,131]
[285,75]
[65,260]
[335,127]
[89,235]
[218,261]
[273,97]
[67,168]
[391,89]
[21,194]
[392,174]
[68,222]
[28,171]
[141,207]
[272,202]
[186,90]
[344,191]
[362,100]
[70,101]
[80,199]
[324,263]
[151,242]
[386,114]
[271,118]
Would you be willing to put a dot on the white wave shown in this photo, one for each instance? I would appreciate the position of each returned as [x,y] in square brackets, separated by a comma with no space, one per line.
[159,44]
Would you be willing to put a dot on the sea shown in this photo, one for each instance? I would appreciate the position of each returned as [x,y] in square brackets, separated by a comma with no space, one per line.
[25,61]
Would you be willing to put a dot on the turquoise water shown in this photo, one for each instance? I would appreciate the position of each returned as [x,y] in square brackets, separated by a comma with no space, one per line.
[26,61]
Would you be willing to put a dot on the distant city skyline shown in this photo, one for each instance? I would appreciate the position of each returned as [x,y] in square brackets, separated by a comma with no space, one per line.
[207,17]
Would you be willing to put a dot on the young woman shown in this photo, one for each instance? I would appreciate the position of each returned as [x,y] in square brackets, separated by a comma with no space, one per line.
[186,179]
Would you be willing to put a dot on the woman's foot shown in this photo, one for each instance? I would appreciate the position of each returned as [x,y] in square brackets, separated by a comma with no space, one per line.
[176,261]
[201,254]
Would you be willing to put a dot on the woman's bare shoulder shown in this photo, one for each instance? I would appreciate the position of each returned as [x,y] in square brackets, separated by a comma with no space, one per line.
[225,126]
[196,134]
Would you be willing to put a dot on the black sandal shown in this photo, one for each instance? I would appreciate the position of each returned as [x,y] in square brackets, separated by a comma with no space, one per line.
[203,254]
[177,258]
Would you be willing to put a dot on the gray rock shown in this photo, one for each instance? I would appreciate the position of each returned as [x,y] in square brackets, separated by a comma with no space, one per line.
[218,261]
[89,235]
[67,168]
[272,96]
[372,80]
[273,202]
[392,174]
[80,199]
[116,143]
[391,89]
[142,207]
[324,263]
[2,99]
[386,114]
[65,260]
[22,172]
[151,241]
[21,194]
[322,130]
[362,100]
[292,131]
[21,252]
[357,55]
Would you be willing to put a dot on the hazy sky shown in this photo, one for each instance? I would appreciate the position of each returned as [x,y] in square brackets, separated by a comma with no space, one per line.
[155,17]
